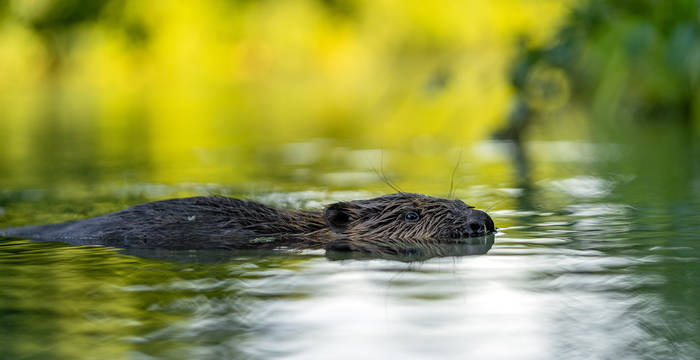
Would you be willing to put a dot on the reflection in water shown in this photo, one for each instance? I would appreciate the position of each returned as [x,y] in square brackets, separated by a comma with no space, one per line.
[589,276]
[521,163]
[421,250]
[418,252]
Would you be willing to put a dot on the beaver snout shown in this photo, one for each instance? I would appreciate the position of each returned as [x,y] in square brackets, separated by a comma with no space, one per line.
[479,223]
[472,223]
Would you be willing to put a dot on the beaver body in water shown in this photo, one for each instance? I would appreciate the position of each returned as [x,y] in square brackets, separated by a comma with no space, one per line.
[215,222]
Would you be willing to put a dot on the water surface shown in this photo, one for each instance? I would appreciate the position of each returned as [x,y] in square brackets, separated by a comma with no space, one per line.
[596,257]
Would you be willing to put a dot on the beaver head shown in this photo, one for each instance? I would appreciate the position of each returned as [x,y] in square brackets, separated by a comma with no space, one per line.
[402,218]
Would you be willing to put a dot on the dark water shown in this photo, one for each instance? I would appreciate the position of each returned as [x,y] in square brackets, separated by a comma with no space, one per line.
[597,257]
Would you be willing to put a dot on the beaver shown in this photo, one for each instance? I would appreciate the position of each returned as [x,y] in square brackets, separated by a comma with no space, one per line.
[380,224]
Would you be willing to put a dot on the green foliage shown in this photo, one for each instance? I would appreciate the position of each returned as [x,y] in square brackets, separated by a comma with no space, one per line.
[622,60]
[57,15]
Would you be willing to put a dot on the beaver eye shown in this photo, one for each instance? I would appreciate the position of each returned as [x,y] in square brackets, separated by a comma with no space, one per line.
[411,216]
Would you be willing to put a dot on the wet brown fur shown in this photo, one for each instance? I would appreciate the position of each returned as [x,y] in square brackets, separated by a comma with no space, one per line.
[373,225]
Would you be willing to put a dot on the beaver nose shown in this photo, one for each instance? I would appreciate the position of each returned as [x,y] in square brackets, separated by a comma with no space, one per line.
[480,222]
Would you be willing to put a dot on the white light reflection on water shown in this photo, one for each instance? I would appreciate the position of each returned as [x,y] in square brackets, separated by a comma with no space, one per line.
[495,307]
[436,308]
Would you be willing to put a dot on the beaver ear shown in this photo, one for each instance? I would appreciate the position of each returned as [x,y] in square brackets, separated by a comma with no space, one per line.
[338,216]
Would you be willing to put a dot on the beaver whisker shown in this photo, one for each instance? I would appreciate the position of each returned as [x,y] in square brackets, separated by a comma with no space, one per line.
[382,174]
[452,177]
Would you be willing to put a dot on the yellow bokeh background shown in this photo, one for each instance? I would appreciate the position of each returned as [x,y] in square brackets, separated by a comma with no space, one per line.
[190,87]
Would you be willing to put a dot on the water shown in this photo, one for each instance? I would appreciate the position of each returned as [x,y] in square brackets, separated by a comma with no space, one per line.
[596,257]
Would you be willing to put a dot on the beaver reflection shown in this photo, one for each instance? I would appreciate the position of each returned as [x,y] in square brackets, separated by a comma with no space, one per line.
[415,250]
[389,224]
